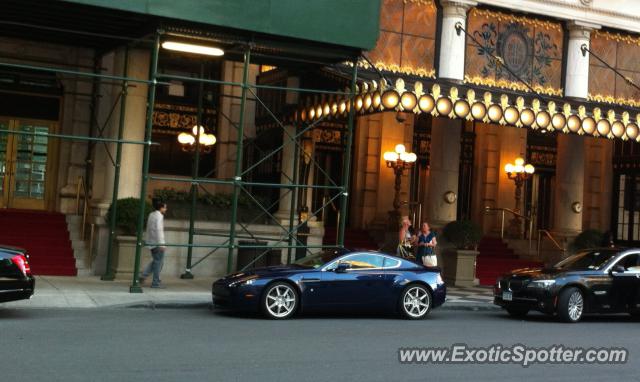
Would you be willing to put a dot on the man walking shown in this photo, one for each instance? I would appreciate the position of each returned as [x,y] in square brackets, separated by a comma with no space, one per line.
[155,237]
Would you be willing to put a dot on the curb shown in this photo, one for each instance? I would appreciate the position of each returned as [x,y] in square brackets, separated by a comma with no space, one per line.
[470,307]
[165,305]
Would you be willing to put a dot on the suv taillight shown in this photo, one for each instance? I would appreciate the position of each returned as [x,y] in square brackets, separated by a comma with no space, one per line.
[22,263]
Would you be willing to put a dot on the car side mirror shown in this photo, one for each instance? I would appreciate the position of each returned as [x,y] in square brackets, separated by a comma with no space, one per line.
[618,269]
[342,267]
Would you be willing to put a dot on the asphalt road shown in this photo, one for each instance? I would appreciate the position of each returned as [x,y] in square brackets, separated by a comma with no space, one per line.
[201,345]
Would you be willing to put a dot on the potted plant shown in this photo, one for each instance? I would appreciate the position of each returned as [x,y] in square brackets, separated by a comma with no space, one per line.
[460,255]
[126,229]
[590,238]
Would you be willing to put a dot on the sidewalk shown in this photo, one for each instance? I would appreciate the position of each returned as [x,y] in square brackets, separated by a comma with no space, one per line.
[91,292]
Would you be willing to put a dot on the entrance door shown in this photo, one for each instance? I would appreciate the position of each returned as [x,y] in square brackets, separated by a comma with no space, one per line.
[540,199]
[627,207]
[24,163]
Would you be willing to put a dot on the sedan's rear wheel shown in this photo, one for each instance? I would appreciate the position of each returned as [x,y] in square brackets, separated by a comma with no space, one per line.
[279,301]
[415,302]
[571,305]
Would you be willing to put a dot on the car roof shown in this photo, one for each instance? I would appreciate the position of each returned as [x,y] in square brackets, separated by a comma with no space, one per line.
[11,250]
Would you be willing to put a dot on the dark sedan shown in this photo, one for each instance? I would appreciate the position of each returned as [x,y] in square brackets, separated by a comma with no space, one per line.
[335,280]
[16,281]
[593,281]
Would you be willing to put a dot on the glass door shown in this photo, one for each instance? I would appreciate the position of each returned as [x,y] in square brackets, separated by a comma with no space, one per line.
[24,164]
[627,208]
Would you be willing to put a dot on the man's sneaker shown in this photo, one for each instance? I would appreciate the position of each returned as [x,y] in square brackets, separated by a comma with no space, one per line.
[158,286]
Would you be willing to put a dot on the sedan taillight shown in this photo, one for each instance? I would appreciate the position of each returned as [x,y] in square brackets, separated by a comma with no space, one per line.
[22,263]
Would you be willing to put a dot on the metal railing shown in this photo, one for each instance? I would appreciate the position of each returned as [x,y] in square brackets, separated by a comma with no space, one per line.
[326,200]
[82,198]
[542,233]
[415,212]
[503,211]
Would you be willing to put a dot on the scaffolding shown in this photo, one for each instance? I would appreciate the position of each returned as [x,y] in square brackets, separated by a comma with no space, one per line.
[241,183]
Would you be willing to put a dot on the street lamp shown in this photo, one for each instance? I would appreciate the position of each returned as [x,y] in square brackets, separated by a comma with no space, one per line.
[399,160]
[188,140]
[519,172]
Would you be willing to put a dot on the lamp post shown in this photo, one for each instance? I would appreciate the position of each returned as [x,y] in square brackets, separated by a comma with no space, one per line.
[188,140]
[519,172]
[399,160]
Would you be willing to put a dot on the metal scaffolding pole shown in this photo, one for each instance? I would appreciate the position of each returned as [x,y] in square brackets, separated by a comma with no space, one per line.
[346,168]
[135,285]
[109,274]
[294,196]
[239,148]
[194,185]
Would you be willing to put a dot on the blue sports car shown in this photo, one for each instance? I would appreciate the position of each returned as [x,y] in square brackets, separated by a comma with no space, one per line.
[335,280]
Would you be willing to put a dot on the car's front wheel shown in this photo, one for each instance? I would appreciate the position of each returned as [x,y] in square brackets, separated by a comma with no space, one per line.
[279,301]
[571,305]
[415,302]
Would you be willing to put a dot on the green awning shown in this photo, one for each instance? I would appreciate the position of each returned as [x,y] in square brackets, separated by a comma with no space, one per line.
[348,23]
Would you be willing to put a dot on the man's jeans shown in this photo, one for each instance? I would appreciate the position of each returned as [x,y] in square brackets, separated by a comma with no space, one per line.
[155,265]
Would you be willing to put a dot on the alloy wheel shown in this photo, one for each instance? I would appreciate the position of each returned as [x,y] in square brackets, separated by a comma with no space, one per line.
[576,305]
[280,301]
[416,302]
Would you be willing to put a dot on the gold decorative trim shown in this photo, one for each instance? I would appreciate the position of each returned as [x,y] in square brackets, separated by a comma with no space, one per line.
[420,2]
[516,19]
[420,72]
[618,37]
[613,100]
[505,84]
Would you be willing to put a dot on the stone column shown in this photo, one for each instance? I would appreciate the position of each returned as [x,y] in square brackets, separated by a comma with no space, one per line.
[135,120]
[286,177]
[452,45]
[570,168]
[286,162]
[577,71]
[443,172]
[227,132]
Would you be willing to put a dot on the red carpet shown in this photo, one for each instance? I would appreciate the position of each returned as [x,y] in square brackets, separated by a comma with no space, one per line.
[353,239]
[45,237]
[496,259]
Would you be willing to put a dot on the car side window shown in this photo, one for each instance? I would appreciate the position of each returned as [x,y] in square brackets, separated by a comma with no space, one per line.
[364,261]
[631,263]
[390,263]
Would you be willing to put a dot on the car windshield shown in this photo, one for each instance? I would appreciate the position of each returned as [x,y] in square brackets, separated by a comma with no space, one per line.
[588,260]
[318,259]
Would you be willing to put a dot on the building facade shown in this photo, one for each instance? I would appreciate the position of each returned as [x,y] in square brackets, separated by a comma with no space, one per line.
[466,85]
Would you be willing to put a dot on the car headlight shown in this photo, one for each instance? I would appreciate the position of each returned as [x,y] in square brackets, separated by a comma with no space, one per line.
[246,281]
[439,280]
[541,283]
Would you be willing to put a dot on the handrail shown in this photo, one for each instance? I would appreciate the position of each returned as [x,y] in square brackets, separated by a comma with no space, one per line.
[416,215]
[84,212]
[336,210]
[487,209]
[549,235]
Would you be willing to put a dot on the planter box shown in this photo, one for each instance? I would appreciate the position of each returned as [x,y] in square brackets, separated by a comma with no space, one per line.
[124,257]
[460,267]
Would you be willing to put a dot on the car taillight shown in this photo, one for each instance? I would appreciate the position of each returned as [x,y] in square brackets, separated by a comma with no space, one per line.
[22,263]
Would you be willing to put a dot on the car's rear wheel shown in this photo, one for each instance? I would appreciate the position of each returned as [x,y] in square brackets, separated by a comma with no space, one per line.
[415,302]
[279,301]
[571,305]
[517,312]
